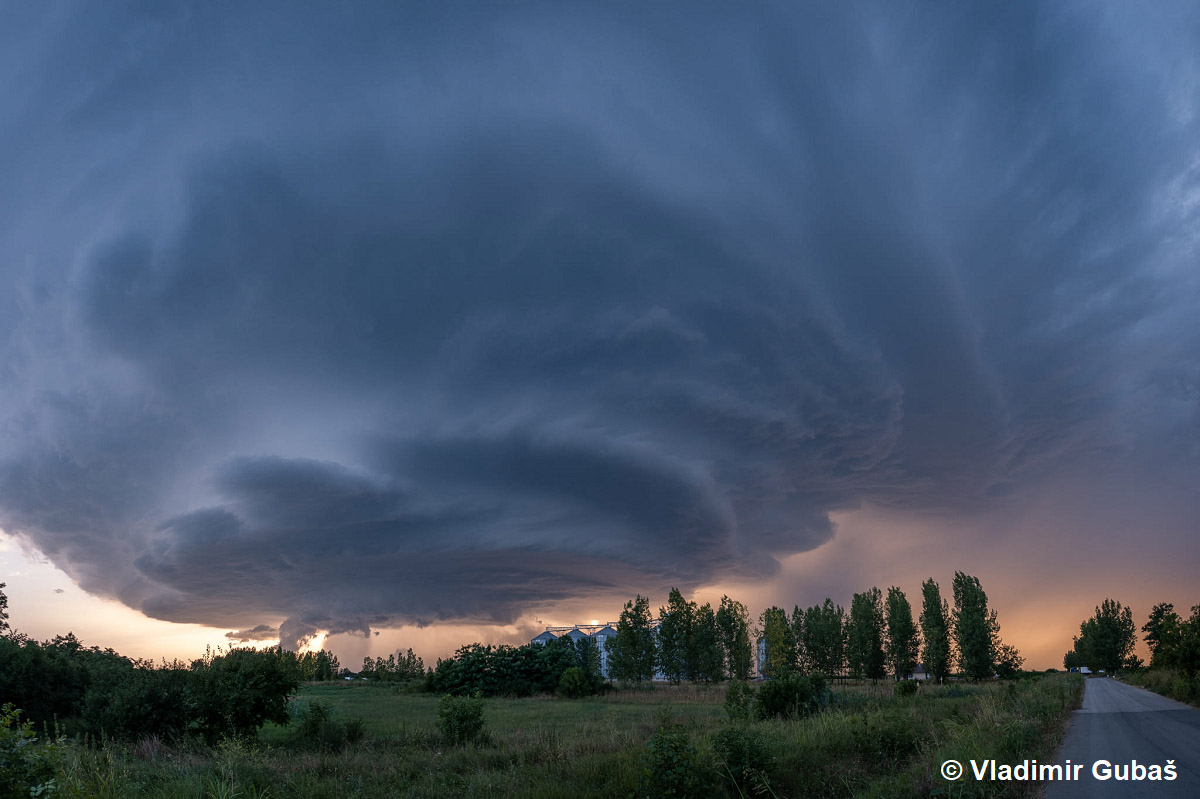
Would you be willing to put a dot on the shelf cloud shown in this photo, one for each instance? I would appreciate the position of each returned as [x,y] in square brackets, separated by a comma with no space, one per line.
[362,317]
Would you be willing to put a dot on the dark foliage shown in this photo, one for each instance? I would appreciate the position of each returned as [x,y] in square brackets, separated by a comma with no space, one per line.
[460,718]
[100,693]
[790,695]
[515,671]
[671,767]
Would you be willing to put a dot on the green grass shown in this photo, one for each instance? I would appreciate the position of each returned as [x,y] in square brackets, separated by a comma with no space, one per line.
[867,744]
[1167,682]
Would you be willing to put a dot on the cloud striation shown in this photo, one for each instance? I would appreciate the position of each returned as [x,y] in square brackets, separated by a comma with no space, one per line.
[359,317]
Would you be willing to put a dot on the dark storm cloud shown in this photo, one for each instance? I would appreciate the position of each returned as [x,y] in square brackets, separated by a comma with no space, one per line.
[259,632]
[356,319]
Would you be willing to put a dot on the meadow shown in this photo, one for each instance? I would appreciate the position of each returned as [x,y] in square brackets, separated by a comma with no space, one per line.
[866,741]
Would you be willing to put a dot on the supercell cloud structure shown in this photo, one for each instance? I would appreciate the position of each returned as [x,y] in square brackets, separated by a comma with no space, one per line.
[356,317]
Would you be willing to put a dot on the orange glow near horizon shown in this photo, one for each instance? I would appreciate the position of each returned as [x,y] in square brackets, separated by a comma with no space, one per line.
[1041,585]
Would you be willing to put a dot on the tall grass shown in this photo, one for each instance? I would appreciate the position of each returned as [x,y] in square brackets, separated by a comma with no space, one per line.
[868,743]
[1166,682]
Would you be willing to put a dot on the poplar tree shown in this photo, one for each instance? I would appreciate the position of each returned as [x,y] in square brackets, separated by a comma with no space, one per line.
[864,635]
[825,638]
[709,663]
[801,655]
[975,628]
[675,638]
[733,634]
[935,629]
[631,655]
[903,644]
[779,645]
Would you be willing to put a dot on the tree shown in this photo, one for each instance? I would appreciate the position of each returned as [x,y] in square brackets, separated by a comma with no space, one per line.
[733,635]
[825,638]
[779,645]
[797,623]
[864,635]
[675,622]
[408,665]
[239,691]
[975,629]
[1106,640]
[935,630]
[1008,661]
[1188,657]
[903,645]
[4,628]
[1163,630]
[631,655]
[709,659]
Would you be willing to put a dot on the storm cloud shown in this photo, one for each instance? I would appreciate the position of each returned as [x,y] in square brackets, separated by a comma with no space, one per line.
[361,317]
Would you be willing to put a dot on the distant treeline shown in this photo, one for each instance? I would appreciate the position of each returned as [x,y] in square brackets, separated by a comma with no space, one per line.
[1107,639]
[393,668]
[570,666]
[877,637]
[235,691]
[99,693]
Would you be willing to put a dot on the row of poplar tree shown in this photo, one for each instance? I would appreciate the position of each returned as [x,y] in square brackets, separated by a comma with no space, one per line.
[876,637]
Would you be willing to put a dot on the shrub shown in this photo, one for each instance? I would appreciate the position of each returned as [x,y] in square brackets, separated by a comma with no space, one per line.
[460,718]
[574,683]
[237,692]
[890,732]
[356,730]
[317,724]
[906,688]
[744,757]
[739,700]
[789,695]
[26,769]
[142,703]
[670,766]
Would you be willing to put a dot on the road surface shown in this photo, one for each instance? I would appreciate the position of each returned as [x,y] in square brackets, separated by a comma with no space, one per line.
[1121,724]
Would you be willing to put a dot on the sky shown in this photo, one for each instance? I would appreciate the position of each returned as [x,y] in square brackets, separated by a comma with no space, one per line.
[405,325]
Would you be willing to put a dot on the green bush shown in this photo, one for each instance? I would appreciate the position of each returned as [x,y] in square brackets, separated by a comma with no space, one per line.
[574,683]
[744,759]
[790,695]
[317,724]
[739,700]
[460,718]
[237,692]
[142,703]
[26,768]
[670,766]
[906,688]
[891,733]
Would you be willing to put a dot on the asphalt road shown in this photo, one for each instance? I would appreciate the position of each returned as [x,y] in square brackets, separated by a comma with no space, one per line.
[1121,724]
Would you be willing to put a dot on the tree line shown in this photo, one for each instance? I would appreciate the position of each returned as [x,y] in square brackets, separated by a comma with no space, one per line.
[98,692]
[876,637]
[1107,639]
[690,642]
[566,666]
[397,667]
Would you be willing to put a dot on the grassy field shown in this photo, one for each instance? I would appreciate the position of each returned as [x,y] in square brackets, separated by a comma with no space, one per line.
[867,743]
